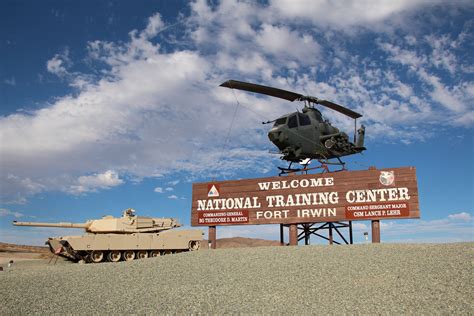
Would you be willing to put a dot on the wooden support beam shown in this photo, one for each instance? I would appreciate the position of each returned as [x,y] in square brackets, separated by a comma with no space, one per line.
[282,239]
[293,232]
[212,237]
[375,231]
[306,233]
[330,234]
[350,233]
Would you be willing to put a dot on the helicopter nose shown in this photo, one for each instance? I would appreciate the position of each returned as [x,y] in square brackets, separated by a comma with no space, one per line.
[274,136]
[277,137]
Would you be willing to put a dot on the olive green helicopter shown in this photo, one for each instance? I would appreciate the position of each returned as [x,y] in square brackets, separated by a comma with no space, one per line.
[307,135]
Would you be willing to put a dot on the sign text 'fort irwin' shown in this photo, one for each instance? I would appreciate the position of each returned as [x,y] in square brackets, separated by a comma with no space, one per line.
[339,196]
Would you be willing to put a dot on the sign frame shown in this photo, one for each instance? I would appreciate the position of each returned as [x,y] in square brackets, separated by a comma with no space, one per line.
[374,194]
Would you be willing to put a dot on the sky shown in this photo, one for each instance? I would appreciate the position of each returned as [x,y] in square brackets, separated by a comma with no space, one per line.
[108,105]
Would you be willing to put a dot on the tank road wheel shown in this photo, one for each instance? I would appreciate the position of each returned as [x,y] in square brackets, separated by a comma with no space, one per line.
[114,256]
[96,256]
[167,252]
[142,254]
[194,245]
[128,255]
[155,253]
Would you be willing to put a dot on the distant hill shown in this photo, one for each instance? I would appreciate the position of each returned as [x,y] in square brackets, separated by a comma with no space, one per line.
[242,242]
[21,252]
[5,247]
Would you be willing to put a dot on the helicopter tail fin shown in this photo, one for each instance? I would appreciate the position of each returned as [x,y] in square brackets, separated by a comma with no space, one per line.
[360,139]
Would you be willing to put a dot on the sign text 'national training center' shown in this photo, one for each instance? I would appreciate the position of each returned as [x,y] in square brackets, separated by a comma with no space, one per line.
[348,195]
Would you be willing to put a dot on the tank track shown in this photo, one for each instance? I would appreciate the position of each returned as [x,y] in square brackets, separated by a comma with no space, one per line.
[97,256]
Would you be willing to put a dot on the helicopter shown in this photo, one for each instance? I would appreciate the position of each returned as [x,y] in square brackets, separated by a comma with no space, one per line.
[303,136]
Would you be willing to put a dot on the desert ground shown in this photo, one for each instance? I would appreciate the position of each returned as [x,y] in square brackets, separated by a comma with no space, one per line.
[350,279]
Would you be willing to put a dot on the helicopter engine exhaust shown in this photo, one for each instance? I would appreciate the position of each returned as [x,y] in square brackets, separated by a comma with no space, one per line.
[329,143]
[330,140]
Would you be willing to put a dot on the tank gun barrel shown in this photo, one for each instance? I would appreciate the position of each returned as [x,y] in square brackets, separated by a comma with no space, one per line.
[63,225]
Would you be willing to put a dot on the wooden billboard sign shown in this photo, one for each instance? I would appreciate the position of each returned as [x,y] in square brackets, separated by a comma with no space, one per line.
[330,197]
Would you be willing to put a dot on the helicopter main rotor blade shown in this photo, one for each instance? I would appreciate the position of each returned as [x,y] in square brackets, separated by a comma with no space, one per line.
[288,95]
[252,87]
[335,107]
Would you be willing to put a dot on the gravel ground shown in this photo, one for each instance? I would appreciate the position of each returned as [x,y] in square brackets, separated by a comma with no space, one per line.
[356,279]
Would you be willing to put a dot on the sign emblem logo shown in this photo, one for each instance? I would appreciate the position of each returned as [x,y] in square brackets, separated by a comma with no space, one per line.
[212,190]
[387,177]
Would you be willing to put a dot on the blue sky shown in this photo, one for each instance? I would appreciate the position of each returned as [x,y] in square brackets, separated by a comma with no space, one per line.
[116,104]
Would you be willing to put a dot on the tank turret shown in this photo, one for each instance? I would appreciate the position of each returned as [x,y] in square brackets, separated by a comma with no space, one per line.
[122,238]
[127,224]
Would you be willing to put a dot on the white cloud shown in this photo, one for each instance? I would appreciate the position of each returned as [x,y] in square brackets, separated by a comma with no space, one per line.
[360,226]
[441,93]
[55,65]
[225,24]
[116,122]
[59,63]
[403,56]
[410,39]
[247,63]
[174,182]
[169,189]
[155,112]
[303,46]
[465,119]
[455,98]
[92,183]
[14,187]
[155,24]
[172,197]
[5,212]
[10,81]
[344,14]
[158,190]
[442,56]
[463,216]
[455,227]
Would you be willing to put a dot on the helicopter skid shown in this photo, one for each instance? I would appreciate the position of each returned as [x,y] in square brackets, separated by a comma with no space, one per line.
[305,169]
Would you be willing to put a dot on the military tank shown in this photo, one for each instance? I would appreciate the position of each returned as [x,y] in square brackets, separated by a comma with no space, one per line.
[125,238]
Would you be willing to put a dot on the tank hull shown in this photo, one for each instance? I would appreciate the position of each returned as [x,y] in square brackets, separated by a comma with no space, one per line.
[146,244]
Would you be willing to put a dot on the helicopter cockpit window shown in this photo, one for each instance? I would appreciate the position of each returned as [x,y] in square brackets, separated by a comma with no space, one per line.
[292,122]
[280,121]
[304,119]
[318,115]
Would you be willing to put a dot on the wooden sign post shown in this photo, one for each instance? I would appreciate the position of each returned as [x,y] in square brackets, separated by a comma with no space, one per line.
[375,231]
[212,237]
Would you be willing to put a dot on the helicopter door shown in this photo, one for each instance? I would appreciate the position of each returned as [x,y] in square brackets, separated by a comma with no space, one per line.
[305,133]
[293,137]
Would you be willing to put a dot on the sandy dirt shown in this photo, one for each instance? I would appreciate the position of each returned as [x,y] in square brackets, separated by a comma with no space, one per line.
[362,279]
